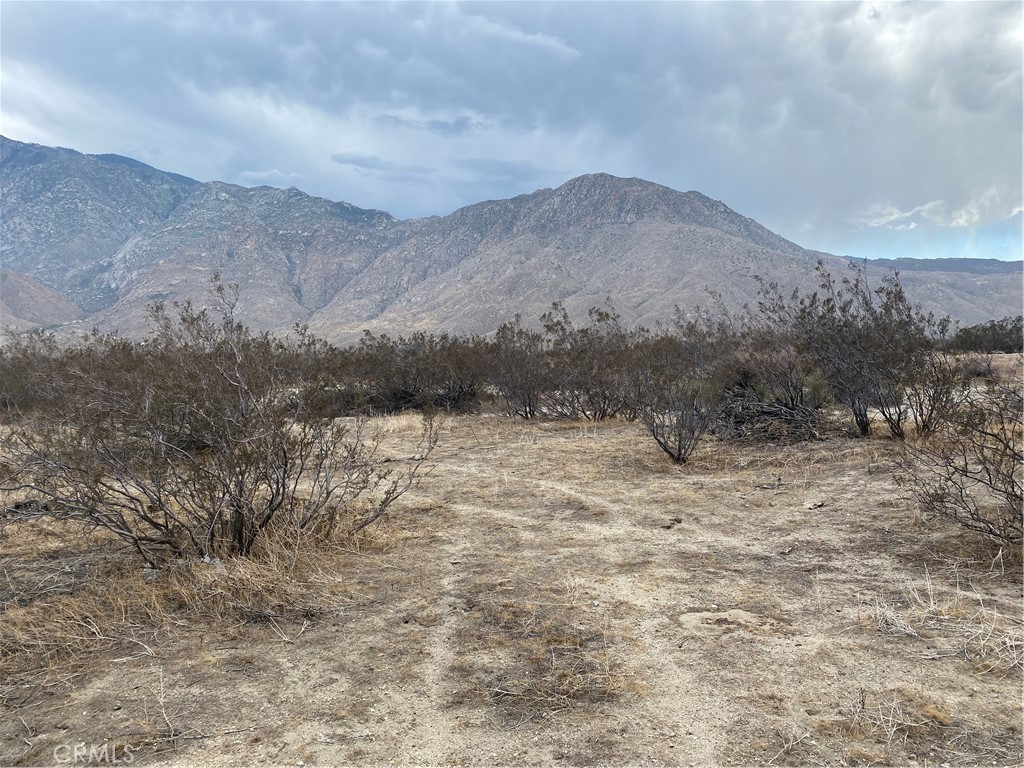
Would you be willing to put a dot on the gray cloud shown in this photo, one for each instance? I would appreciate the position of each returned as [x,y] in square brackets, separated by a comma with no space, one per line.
[501,170]
[374,163]
[824,121]
[456,127]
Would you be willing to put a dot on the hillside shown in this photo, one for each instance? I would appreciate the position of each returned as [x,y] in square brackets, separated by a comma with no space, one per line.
[110,235]
[26,303]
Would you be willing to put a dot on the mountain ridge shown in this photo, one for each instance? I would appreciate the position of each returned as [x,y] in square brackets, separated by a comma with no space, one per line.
[111,235]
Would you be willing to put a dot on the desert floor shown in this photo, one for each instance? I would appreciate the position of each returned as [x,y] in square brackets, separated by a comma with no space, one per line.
[551,593]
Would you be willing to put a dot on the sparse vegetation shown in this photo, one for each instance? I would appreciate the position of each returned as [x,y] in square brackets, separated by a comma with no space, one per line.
[877,350]
[971,470]
[195,443]
[550,658]
[1006,335]
[556,588]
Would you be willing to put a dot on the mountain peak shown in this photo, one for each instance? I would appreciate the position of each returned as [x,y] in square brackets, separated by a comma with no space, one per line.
[598,183]
[606,199]
[110,234]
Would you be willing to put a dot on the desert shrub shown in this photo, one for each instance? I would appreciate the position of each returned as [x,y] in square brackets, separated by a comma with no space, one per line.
[28,370]
[675,385]
[326,378]
[586,364]
[970,469]
[777,387]
[193,443]
[460,365]
[422,371]
[674,416]
[935,386]
[1006,335]
[877,350]
[517,362]
[976,366]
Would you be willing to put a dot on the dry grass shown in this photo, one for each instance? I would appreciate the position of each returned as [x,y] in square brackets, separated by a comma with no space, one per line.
[1008,367]
[551,592]
[552,657]
[963,626]
[397,424]
[883,726]
[94,599]
[894,716]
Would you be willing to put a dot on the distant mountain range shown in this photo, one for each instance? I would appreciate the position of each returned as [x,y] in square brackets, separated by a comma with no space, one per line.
[92,240]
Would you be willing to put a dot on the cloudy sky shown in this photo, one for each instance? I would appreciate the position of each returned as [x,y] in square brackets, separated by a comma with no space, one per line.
[871,129]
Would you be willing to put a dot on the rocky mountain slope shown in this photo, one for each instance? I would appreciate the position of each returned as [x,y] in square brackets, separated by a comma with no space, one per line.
[108,236]
[25,303]
[65,214]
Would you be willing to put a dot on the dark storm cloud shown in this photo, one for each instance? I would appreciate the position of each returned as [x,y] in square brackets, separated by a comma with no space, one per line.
[822,120]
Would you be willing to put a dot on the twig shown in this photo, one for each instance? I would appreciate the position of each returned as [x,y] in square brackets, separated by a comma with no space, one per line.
[163,706]
[788,746]
[197,736]
[279,632]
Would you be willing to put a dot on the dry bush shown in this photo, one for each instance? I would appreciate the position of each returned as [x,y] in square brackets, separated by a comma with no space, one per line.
[1006,335]
[586,364]
[421,371]
[676,383]
[971,470]
[676,420]
[874,347]
[977,366]
[196,443]
[747,417]
[518,368]
[778,387]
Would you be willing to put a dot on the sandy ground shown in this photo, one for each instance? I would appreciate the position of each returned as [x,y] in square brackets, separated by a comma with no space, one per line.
[560,593]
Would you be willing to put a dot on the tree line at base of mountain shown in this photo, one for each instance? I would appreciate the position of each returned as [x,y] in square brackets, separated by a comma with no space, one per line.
[205,436]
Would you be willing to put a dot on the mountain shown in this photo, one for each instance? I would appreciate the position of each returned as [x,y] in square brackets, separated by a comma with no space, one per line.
[25,303]
[97,238]
[65,214]
[647,246]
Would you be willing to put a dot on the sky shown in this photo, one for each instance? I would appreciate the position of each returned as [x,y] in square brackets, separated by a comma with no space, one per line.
[875,129]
